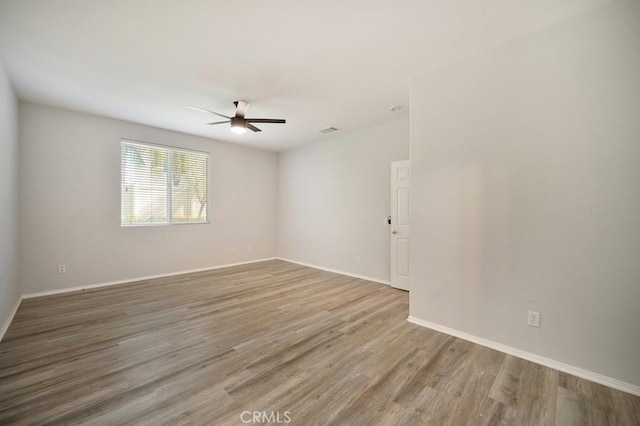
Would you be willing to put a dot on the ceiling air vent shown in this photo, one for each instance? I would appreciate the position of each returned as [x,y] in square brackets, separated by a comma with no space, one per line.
[328,130]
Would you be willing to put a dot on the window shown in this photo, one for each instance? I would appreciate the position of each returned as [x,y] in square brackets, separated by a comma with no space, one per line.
[163,185]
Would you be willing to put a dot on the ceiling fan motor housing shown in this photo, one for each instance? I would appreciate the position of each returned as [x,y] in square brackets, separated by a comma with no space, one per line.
[238,122]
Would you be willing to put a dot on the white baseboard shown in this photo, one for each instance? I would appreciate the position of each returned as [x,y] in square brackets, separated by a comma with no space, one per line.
[362,277]
[130,280]
[7,322]
[547,362]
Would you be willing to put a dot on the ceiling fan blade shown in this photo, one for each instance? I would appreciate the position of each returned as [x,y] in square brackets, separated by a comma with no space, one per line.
[206,110]
[218,122]
[265,120]
[241,108]
[252,127]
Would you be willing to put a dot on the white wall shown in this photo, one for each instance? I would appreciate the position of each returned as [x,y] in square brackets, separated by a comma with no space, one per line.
[526,196]
[70,204]
[9,291]
[334,198]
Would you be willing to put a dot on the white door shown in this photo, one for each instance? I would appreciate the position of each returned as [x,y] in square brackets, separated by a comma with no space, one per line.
[400,190]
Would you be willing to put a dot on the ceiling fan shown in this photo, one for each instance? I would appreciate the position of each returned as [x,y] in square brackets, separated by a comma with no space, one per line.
[239,123]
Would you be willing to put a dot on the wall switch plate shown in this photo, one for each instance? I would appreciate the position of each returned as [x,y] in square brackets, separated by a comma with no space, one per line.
[533,319]
[62,269]
[233,249]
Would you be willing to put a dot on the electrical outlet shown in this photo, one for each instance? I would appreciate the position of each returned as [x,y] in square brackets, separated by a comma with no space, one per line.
[62,269]
[250,247]
[533,319]
[357,259]
[233,249]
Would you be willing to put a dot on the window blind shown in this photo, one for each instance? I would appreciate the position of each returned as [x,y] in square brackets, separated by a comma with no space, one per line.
[163,185]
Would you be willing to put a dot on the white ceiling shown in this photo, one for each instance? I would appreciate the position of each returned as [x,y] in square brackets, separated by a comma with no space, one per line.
[316,63]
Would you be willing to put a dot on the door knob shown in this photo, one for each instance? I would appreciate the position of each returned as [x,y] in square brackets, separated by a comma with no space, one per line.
[394,232]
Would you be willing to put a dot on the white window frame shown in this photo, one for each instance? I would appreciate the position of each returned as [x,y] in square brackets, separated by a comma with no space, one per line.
[170,148]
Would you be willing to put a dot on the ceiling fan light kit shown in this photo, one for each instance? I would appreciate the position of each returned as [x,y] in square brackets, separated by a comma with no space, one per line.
[240,124]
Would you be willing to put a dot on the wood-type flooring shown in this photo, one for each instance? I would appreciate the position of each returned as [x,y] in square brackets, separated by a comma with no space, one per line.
[270,342]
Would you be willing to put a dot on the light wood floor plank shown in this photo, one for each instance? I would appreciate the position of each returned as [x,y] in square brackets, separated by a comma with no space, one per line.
[273,337]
